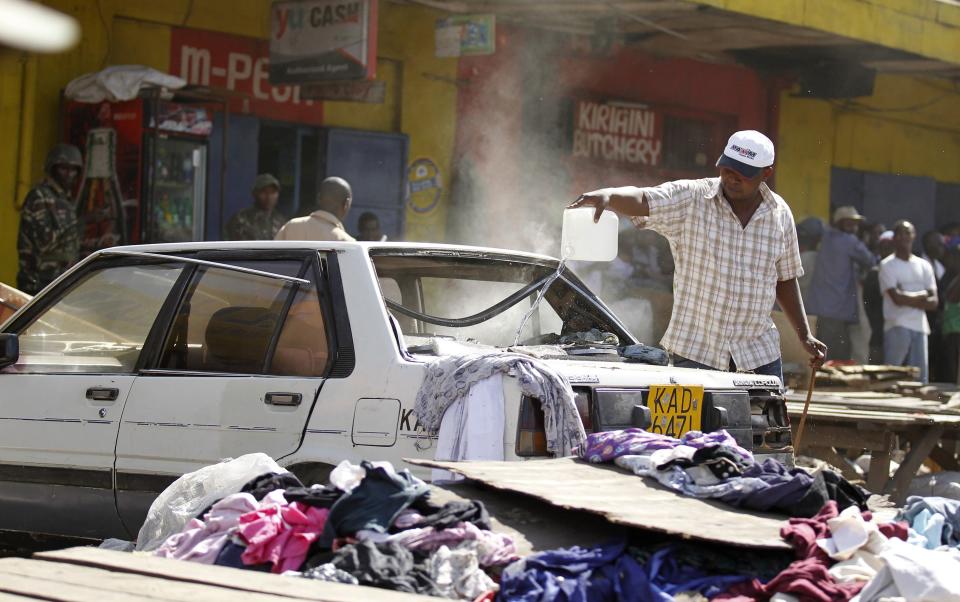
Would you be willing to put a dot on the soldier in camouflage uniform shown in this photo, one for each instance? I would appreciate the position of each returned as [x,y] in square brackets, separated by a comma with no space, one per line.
[262,220]
[49,238]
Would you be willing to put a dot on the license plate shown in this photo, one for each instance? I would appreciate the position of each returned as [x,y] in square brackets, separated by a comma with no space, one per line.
[674,409]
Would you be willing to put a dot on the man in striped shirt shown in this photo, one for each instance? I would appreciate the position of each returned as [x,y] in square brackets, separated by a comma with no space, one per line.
[734,243]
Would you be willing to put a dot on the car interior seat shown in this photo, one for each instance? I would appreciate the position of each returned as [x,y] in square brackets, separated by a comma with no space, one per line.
[237,339]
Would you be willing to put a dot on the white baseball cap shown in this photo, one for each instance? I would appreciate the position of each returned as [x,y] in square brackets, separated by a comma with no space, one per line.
[747,152]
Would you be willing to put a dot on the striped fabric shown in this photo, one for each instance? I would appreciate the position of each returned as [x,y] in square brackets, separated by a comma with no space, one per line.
[726,275]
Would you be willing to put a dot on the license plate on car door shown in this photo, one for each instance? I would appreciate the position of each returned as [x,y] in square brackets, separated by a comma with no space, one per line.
[674,409]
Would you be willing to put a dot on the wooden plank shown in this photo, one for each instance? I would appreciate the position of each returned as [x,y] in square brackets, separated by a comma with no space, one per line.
[625,499]
[920,447]
[830,435]
[5,597]
[222,576]
[139,586]
[61,592]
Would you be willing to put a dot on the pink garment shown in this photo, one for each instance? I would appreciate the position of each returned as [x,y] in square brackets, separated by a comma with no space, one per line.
[202,540]
[281,534]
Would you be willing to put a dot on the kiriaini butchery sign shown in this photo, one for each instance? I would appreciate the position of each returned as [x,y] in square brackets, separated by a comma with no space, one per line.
[322,40]
[614,132]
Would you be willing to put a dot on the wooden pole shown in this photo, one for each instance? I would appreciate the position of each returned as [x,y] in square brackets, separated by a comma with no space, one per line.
[806,408]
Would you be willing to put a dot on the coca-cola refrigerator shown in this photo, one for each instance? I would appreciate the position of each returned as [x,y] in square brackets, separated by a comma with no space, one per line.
[145,177]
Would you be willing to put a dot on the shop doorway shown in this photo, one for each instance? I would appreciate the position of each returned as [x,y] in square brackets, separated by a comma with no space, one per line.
[375,164]
[290,153]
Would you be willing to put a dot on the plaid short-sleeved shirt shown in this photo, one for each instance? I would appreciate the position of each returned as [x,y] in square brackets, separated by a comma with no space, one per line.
[726,275]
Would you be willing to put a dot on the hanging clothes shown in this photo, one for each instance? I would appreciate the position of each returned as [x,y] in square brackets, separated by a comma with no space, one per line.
[451,378]
[472,427]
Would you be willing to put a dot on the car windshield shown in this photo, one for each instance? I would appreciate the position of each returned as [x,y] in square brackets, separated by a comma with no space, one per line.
[483,298]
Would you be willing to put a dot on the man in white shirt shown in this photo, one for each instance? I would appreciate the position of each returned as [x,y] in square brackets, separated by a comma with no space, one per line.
[326,223]
[734,243]
[909,291]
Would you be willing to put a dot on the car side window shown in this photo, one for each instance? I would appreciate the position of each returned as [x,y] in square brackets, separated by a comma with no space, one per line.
[229,321]
[100,324]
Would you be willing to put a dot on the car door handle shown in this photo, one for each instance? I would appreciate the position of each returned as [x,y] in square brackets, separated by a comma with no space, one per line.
[103,393]
[282,399]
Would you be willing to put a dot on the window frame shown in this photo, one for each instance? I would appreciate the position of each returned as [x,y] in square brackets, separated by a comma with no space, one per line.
[44,302]
[316,267]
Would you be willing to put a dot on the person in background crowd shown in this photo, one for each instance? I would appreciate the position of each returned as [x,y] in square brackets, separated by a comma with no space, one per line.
[873,299]
[909,290]
[261,221]
[735,247]
[950,325]
[834,289]
[326,223]
[49,238]
[950,230]
[809,233]
[870,233]
[370,228]
[933,250]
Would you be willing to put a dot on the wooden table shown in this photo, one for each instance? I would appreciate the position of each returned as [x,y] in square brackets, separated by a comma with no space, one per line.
[94,575]
[875,422]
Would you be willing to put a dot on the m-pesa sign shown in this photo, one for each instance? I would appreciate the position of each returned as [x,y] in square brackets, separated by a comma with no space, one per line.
[617,132]
[239,64]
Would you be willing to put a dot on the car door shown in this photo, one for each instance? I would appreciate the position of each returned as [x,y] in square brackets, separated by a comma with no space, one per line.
[61,403]
[238,372]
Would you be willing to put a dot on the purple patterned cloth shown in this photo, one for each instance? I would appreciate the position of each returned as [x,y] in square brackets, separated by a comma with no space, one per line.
[606,446]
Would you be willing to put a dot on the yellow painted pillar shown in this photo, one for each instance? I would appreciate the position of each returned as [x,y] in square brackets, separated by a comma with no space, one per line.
[805,154]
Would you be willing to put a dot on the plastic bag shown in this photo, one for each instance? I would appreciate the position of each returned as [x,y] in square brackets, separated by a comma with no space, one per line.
[186,497]
[117,545]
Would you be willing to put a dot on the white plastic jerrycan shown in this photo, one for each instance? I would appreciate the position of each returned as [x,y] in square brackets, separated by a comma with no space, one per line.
[584,240]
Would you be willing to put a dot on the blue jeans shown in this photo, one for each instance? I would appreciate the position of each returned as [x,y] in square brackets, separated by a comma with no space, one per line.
[774,368]
[905,347]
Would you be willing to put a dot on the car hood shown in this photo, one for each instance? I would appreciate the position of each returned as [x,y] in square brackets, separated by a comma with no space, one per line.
[617,374]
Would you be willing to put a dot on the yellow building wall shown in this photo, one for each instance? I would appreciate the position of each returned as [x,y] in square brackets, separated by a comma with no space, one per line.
[420,100]
[924,27]
[910,126]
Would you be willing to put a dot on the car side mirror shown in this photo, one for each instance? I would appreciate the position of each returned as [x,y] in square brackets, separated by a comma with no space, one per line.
[9,349]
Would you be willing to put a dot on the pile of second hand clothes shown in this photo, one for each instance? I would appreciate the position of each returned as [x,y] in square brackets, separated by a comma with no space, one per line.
[372,525]
[713,466]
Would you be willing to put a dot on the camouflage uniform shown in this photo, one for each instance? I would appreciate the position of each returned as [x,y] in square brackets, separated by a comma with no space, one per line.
[49,238]
[254,223]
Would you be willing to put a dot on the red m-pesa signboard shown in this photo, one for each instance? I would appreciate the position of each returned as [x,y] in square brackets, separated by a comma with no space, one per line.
[239,64]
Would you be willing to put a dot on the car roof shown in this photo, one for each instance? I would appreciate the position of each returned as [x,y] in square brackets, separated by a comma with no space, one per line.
[363,247]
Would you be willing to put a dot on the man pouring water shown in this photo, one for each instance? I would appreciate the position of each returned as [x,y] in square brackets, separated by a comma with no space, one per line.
[735,247]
